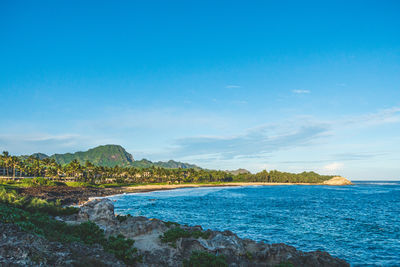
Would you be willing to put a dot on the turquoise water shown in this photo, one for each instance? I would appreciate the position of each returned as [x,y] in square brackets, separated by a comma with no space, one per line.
[359,223]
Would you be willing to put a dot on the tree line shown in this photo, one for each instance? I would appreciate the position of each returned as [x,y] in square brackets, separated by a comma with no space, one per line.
[13,166]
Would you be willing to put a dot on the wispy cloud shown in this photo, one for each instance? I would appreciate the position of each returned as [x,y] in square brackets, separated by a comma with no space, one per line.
[357,156]
[240,102]
[259,141]
[384,116]
[297,91]
[231,86]
[332,167]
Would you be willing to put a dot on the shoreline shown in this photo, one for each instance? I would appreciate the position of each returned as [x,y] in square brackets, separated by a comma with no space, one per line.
[79,195]
[335,181]
[153,188]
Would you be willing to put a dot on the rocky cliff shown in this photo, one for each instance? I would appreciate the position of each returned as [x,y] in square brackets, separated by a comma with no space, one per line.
[148,235]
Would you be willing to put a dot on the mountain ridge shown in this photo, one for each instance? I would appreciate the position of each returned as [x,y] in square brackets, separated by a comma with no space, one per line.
[112,155]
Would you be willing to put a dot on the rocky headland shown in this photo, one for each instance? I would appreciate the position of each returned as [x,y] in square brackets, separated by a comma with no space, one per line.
[158,243]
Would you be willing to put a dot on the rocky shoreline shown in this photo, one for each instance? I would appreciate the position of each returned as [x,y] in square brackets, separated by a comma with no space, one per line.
[147,235]
[158,243]
[78,195]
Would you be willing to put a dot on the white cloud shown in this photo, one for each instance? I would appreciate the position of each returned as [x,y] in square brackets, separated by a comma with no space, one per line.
[231,86]
[335,166]
[301,91]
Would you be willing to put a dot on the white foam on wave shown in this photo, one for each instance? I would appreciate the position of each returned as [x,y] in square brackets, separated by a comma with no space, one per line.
[381,183]
[180,192]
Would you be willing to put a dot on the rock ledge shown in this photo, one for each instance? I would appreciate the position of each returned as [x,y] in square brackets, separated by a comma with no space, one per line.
[237,251]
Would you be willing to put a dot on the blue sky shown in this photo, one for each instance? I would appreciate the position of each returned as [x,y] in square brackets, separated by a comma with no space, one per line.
[287,85]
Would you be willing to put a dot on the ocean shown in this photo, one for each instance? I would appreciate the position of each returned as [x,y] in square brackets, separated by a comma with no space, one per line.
[359,223]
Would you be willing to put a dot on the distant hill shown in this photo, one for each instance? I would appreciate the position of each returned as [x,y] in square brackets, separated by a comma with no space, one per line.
[238,171]
[175,164]
[107,156]
[171,164]
[110,156]
[40,156]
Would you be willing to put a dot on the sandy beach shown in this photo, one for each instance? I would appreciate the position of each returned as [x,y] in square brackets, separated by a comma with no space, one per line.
[149,188]
[78,195]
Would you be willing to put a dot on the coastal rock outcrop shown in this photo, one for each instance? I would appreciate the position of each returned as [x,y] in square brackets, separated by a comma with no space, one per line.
[148,234]
[100,211]
[338,180]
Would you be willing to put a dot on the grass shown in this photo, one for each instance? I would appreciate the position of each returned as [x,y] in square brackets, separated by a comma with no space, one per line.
[79,184]
[10,197]
[31,182]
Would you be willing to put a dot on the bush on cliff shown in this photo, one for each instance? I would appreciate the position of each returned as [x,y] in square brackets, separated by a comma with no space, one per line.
[172,235]
[205,259]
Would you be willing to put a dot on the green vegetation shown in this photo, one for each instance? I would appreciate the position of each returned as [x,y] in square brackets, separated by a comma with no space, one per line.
[205,259]
[122,248]
[40,181]
[122,218]
[34,216]
[285,264]
[169,224]
[34,204]
[249,255]
[91,174]
[172,235]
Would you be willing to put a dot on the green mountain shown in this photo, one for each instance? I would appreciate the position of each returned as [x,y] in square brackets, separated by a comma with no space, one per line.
[40,156]
[171,164]
[108,156]
[112,155]
[176,164]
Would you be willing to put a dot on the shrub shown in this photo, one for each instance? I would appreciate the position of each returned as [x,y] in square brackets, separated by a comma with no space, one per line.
[172,235]
[249,255]
[122,218]
[205,259]
[122,248]
[169,224]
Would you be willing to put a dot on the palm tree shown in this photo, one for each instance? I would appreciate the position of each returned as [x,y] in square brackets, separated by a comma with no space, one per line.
[6,159]
[14,162]
[37,168]
[22,168]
